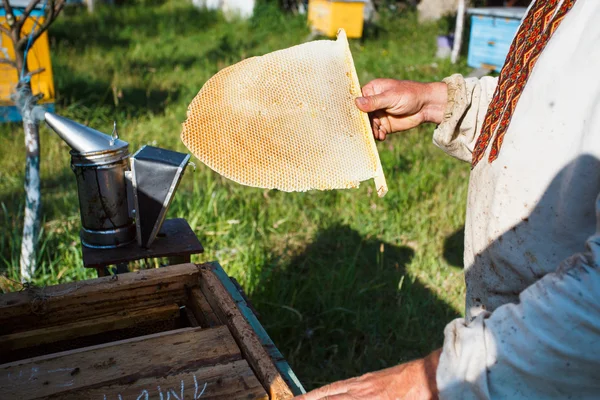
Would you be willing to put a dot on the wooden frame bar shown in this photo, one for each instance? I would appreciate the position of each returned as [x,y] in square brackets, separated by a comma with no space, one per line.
[202,310]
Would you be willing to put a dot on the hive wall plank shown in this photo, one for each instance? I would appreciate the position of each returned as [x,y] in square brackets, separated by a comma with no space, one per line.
[73,330]
[253,351]
[122,362]
[249,314]
[40,307]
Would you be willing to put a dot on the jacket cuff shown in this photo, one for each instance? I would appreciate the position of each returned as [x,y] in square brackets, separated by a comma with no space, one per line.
[447,135]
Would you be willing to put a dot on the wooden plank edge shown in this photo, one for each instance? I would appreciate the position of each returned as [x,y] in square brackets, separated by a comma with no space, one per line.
[189,314]
[53,315]
[88,288]
[234,380]
[98,366]
[201,309]
[88,327]
[252,349]
[282,365]
[95,347]
[81,298]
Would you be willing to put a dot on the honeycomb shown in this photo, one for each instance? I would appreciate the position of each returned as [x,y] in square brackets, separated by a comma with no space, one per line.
[287,121]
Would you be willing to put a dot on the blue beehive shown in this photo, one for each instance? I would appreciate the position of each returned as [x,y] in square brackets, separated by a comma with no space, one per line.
[492,32]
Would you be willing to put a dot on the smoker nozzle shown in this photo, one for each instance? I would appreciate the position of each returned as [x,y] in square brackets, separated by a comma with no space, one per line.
[80,137]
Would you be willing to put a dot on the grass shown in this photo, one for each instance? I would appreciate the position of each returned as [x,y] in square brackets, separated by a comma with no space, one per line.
[344,282]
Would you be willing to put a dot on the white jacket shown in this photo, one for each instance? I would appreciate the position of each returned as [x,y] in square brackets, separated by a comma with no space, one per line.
[532,326]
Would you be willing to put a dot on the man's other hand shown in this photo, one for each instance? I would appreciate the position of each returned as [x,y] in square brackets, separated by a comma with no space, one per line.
[413,380]
[395,105]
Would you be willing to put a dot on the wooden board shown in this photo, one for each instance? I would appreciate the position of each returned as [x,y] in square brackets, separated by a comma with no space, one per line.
[89,299]
[118,363]
[73,330]
[175,239]
[247,310]
[233,380]
[222,303]
[202,310]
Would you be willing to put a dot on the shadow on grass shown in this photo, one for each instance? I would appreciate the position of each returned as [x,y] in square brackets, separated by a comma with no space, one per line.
[454,247]
[346,306]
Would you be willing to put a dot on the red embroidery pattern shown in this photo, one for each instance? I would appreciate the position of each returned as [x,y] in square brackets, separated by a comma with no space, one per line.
[533,35]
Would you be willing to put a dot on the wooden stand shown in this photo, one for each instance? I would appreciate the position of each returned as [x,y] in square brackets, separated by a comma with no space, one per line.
[177,332]
[175,241]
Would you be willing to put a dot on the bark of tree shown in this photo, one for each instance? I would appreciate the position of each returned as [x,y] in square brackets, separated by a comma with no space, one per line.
[460,18]
[25,101]
[33,196]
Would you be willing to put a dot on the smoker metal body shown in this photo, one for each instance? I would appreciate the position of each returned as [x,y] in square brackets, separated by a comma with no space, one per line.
[121,198]
[102,189]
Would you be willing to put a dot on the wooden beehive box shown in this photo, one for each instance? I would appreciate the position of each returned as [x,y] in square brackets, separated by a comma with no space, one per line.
[492,32]
[179,332]
[328,16]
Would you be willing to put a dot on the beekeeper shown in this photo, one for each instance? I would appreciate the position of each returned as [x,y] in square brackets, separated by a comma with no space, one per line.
[532,245]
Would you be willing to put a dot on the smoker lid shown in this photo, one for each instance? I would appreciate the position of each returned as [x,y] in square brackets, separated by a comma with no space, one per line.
[156,174]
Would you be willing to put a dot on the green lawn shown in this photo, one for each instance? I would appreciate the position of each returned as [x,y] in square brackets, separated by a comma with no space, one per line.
[344,282]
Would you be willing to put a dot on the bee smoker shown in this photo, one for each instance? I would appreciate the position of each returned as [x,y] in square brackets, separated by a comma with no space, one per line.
[121,197]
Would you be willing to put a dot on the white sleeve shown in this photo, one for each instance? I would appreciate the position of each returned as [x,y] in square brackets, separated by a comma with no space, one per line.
[468,101]
[546,346]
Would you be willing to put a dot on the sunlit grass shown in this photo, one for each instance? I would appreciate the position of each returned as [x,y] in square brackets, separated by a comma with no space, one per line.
[345,282]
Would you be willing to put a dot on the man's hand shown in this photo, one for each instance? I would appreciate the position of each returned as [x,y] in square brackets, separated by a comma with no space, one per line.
[413,380]
[400,105]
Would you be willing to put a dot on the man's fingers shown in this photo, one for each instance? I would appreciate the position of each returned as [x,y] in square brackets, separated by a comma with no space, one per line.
[407,122]
[378,130]
[381,125]
[343,396]
[368,90]
[372,103]
[375,128]
[329,392]
[385,126]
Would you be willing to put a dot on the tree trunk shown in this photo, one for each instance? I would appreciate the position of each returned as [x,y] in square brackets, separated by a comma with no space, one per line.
[32,219]
[460,18]
[25,103]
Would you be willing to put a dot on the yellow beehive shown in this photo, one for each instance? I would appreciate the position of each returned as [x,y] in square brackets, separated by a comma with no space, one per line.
[327,16]
[38,57]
